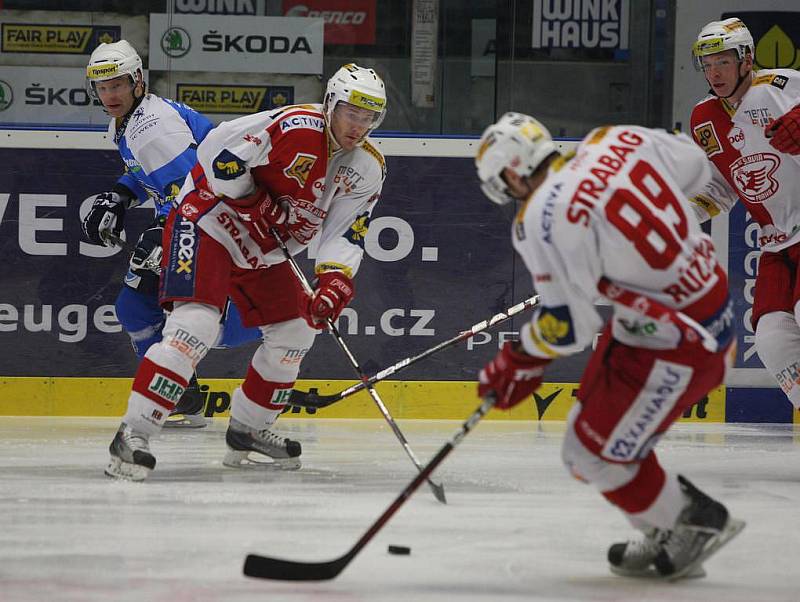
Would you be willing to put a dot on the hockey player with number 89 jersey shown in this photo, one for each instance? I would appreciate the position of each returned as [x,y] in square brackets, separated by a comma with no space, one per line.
[615,221]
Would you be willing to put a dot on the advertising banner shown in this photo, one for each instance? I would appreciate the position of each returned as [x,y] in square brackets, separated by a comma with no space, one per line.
[346,21]
[233,99]
[438,260]
[236,44]
[55,38]
[580,24]
[220,7]
[51,38]
[743,255]
[48,96]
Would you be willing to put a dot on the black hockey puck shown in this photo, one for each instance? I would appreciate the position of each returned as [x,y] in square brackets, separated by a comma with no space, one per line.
[400,550]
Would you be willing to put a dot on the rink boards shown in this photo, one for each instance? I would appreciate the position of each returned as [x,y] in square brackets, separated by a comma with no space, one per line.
[438,259]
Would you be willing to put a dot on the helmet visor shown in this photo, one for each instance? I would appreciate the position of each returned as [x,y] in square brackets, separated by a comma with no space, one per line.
[365,117]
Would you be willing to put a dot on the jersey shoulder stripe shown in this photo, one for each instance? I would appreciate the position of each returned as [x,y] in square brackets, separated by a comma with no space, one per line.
[375,154]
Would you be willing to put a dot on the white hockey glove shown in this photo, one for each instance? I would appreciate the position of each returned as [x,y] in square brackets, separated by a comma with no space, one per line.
[106,215]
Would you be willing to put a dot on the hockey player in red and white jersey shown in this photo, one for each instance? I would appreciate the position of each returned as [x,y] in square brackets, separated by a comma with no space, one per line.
[749,127]
[310,173]
[614,221]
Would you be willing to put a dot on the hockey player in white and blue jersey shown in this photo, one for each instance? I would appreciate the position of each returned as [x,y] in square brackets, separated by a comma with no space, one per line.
[157,140]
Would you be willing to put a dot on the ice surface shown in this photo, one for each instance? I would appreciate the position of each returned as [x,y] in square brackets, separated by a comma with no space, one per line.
[517,526]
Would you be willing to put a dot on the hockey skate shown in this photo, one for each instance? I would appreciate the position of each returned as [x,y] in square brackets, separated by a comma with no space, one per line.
[703,527]
[188,412]
[635,557]
[131,459]
[243,441]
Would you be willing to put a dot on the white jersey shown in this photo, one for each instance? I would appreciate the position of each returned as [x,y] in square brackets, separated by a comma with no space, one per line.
[157,143]
[329,196]
[618,209]
[746,166]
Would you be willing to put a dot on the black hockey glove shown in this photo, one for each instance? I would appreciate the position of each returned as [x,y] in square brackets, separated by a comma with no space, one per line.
[148,251]
[106,215]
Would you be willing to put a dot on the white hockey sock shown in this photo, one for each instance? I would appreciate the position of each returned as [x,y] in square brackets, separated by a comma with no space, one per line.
[144,415]
[168,365]
[250,413]
[664,511]
[778,345]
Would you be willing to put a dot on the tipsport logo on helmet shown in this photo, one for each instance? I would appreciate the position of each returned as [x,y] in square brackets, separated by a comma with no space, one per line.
[6,95]
[105,71]
[176,42]
[706,47]
[366,101]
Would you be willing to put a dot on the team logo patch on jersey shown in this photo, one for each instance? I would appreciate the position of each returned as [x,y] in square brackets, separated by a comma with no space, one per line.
[736,137]
[302,121]
[753,176]
[228,166]
[779,81]
[555,325]
[706,137]
[172,189]
[357,231]
[300,168]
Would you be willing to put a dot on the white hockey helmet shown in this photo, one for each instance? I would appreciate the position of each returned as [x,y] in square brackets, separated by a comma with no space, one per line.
[109,61]
[719,36]
[357,86]
[516,141]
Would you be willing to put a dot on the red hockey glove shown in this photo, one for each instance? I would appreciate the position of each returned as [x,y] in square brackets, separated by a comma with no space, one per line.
[784,132]
[334,291]
[259,212]
[513,375]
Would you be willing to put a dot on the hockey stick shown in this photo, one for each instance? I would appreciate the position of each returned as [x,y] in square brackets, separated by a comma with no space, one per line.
[126,246]
[265,567]
[310,399]
[647,306]
[438,490]
[109,236]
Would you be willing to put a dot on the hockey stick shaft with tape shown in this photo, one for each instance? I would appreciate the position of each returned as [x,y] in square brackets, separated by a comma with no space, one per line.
[438,490]
[310,399]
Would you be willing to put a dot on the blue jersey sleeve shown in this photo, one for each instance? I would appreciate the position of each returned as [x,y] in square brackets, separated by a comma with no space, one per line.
[132,184]
[160,143]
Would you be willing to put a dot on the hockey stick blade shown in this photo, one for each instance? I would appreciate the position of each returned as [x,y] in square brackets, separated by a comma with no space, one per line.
[312,399]
[266,567]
